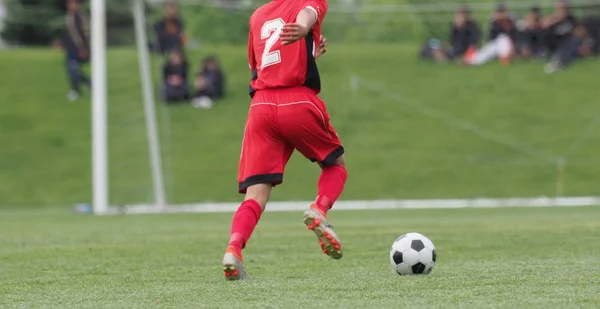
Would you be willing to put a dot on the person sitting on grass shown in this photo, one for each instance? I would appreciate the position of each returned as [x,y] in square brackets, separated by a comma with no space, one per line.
[175,78]
[210,83]
[592,24]
[530,38]
[464,36]
[501,43]
[580,45]
[558,27]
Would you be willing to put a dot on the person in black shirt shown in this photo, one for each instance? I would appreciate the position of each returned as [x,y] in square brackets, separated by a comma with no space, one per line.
[502,23]
[501,41]
[558,27]
[579,45]
[592,24]
[464,36]
[169,30]
[210,83]
[531,35]
[75,41]
[175,78]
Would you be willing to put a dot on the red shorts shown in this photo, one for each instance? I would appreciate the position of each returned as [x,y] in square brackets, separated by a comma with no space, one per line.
[279,121]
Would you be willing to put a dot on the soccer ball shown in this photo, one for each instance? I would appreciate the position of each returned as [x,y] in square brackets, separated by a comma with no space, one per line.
[413,254]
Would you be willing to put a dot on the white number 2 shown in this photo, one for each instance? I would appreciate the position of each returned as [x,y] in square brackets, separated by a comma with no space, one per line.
[271,31]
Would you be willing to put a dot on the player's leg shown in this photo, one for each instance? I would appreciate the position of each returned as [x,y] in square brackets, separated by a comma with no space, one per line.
[308,129]
[243,224]
[248,214]
[74,77]
[262,162]
[330,186]
[331,183]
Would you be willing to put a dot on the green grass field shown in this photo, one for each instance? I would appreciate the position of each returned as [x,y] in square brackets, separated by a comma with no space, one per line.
[487,258]
[397,144]
[411,130]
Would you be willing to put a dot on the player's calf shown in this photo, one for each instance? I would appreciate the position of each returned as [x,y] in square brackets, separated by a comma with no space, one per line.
[244,221]
[331,184]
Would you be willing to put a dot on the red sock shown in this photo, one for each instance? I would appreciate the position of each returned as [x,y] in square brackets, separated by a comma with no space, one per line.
[244,221]
[331,185]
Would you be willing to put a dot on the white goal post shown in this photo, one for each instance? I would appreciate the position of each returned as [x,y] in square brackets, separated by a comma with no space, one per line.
[99,107]
[100,165]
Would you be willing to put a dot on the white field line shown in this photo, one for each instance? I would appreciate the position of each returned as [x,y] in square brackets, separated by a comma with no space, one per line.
[453,121]
[369,205]
[573,148]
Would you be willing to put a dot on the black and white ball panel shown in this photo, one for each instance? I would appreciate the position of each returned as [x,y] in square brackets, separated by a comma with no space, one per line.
[397,257]
[418,268]
[417,245]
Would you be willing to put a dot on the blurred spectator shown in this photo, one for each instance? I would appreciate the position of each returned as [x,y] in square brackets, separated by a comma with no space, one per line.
[464,35]
[502,23]
[169,30]
[558,26]
[592,24]
[210,83]
[501,42]
[530,42]
[175,78]
[577,46]
[76,44]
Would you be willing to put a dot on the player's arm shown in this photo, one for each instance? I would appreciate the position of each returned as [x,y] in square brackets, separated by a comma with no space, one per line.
[251,57]
[313,13]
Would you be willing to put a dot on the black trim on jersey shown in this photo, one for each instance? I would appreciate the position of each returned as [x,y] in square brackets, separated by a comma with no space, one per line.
[252,91]
[330,159]
[272,179]
[313,79]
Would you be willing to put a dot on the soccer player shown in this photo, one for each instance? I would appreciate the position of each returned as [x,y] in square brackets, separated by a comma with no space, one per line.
[285,114]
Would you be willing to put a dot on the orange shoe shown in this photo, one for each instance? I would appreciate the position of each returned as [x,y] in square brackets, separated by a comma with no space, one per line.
[316,221]
[233,266]
[470,55]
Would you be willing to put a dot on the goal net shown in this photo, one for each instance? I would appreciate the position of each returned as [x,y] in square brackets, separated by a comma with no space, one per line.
[412,129]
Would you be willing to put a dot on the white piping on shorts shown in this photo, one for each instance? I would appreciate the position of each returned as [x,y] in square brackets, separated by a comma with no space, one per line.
[296,103]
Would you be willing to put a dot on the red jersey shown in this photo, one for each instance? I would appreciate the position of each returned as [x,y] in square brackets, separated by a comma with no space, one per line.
[275,65]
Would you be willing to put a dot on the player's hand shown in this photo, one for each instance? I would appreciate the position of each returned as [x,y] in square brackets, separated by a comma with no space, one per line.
[322,47]
[293,32]
[83,53]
